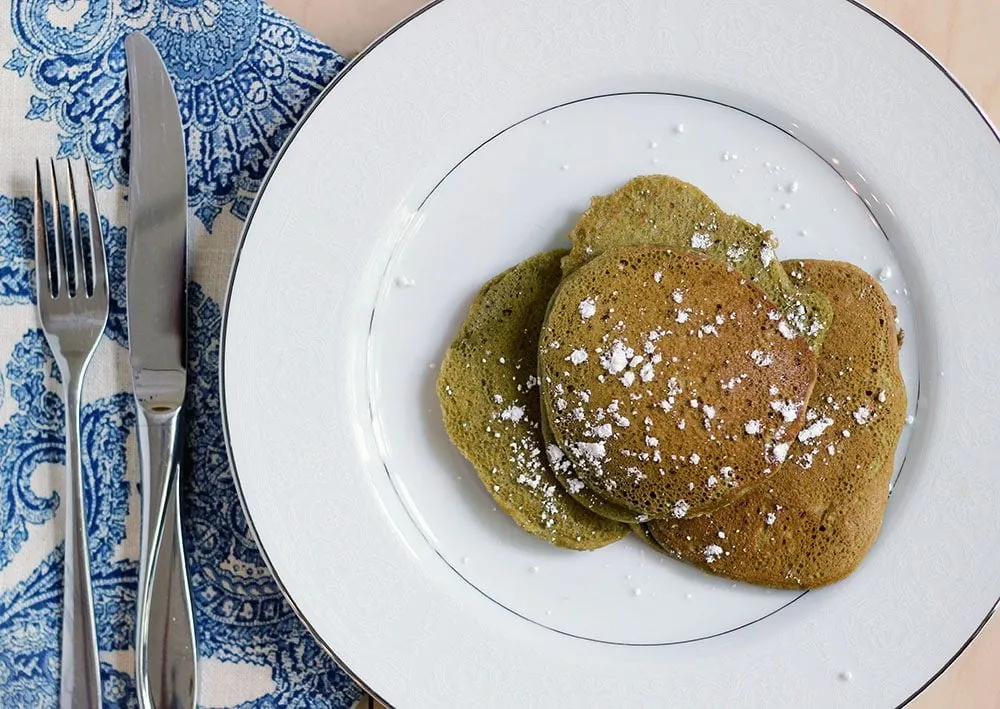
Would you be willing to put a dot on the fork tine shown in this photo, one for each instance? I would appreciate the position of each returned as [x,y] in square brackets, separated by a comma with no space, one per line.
[62,278]
[43,272]
[99,262]
[76,238]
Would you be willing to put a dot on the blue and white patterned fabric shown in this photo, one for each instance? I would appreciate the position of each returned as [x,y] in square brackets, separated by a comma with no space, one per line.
[243,75]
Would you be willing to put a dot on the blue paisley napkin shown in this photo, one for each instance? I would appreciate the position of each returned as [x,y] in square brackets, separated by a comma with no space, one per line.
[243,75]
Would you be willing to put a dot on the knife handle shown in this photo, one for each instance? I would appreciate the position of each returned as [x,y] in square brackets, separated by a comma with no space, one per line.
[173,668]
[164,631]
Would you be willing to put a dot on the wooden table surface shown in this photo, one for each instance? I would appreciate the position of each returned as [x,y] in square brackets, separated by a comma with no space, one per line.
[960,33]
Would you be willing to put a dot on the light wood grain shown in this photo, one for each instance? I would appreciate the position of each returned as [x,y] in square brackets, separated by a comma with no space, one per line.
[960,33]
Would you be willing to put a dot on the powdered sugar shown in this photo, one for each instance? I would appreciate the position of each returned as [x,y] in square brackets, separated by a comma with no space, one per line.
[578,356]
[604,430]
[592,452]
[761,358]
[700,241]
[617,358]
[815,429]
[786,330]
[512,413]
[789,410]
[766,255]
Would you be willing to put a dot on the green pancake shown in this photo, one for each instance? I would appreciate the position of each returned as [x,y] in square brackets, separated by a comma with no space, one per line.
[488,389]
[662,210]
[670,382]
[813,522]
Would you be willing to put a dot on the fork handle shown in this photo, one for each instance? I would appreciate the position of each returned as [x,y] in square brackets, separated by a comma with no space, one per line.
[166,672]
[80,673]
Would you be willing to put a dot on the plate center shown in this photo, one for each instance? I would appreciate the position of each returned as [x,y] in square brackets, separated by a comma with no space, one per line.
[516,195]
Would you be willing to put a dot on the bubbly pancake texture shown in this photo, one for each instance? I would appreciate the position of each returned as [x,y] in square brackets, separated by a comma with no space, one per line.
[816,518]
[665,211]
[670,381]
[488,389]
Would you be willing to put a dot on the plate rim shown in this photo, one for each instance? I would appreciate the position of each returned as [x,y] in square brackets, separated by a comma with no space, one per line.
[241,242]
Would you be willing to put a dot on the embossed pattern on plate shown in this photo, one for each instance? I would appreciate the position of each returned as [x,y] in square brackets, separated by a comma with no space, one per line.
[865,100]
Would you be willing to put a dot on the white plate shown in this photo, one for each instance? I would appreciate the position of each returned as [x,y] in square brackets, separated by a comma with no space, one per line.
[471,137]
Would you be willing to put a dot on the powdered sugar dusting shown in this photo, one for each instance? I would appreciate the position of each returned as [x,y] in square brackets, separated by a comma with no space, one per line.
[786,330]
[761,358]
[617,358]
[815,429]
[512,413]
[700,241]
[766,255]
[789,410]
[578,356]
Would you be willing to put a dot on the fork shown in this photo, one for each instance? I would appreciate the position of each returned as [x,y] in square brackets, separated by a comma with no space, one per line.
[73,302]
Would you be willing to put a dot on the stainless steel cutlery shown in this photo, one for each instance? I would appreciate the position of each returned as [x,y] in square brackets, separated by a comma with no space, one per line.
[73,304]
[156,283]
[71,279]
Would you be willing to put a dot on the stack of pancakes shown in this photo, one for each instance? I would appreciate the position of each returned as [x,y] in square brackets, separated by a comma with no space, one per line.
[670,376]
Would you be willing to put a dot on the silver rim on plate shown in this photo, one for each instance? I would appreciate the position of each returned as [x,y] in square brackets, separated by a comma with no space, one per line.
[326,92]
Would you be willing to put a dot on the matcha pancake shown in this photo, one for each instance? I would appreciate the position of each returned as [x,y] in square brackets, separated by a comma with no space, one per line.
[671,383]
[662,210]
[814,520]
[488,388]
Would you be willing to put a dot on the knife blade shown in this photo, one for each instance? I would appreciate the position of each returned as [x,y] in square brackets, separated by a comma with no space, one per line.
[156,295]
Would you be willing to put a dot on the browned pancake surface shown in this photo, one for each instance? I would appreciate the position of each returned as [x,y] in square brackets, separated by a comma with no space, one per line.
[665,211]
[671,382]
[814,520]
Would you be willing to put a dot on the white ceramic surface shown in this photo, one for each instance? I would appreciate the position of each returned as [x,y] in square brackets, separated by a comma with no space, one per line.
[382,536]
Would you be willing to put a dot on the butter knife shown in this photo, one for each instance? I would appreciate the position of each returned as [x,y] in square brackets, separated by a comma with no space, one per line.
[156,286]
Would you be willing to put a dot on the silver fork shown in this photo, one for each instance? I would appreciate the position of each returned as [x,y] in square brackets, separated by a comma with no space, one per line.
[73,303]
